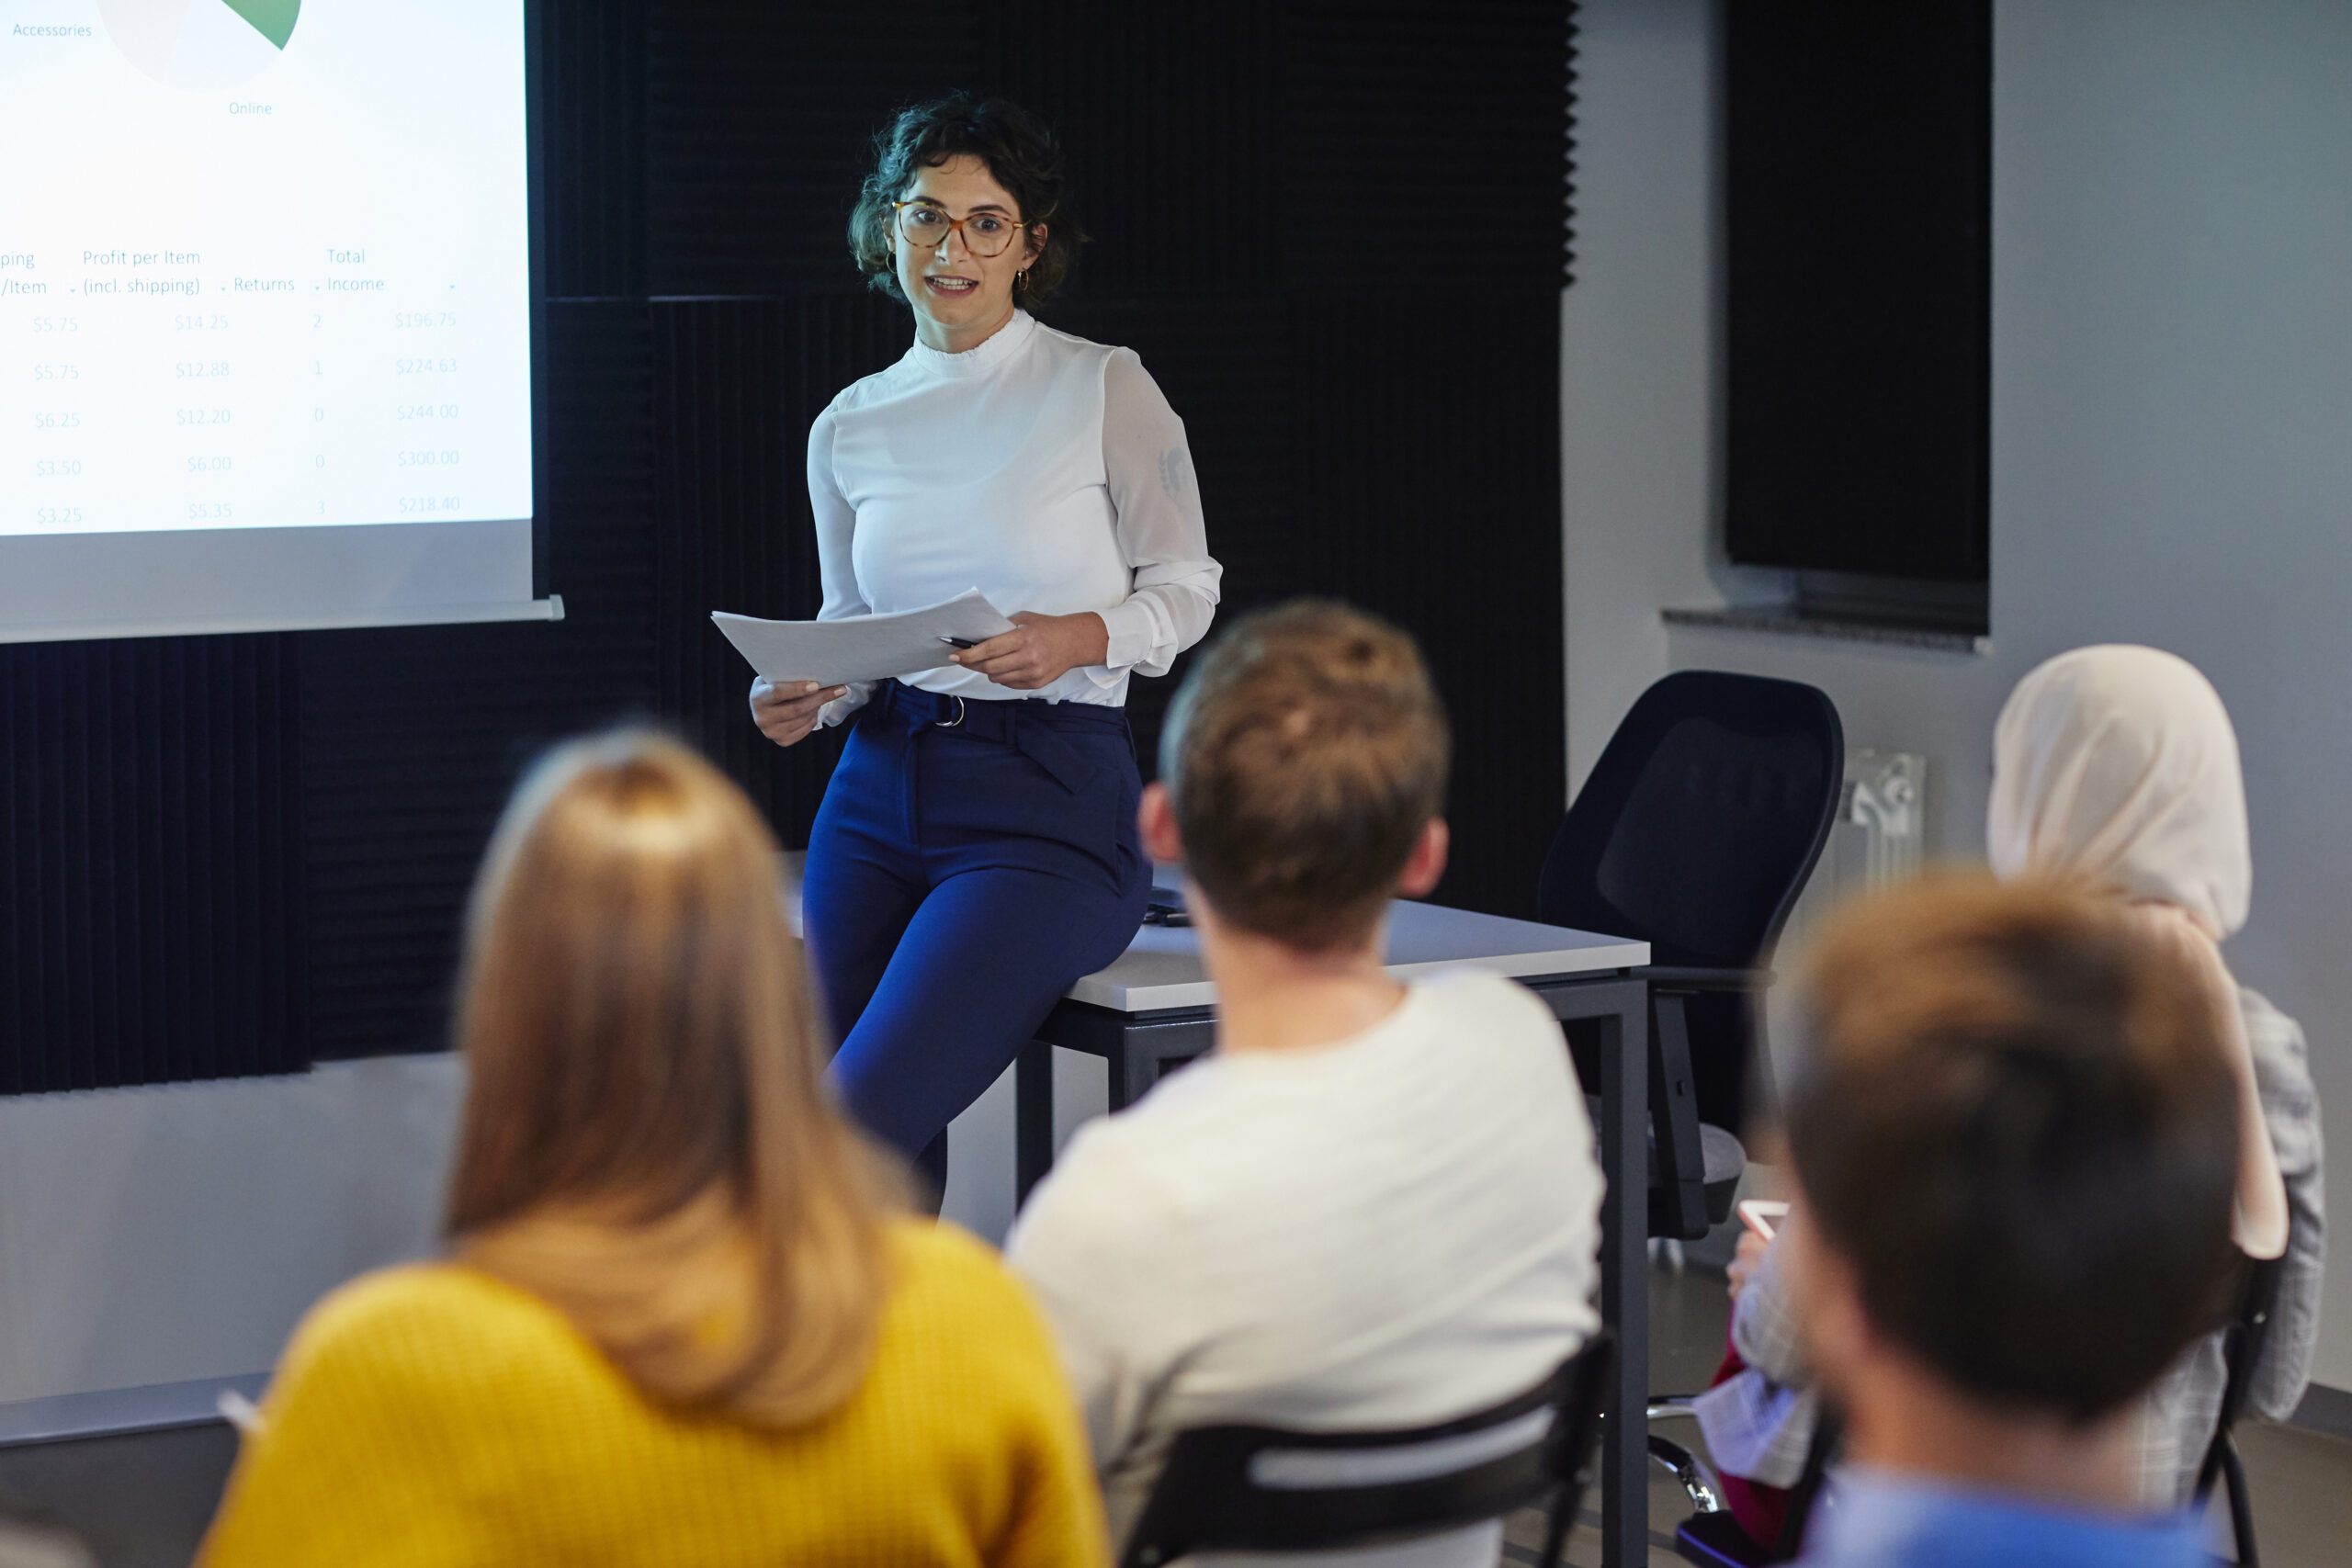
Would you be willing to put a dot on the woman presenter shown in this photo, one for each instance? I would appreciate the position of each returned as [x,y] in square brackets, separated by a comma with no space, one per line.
[976,852]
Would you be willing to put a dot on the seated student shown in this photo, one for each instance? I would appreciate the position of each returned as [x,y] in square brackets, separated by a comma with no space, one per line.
[2115,768]
[1374,1205]
[679,1324]
[2016,1141]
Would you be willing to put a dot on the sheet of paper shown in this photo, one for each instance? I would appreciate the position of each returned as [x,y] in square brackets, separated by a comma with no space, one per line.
[866,648]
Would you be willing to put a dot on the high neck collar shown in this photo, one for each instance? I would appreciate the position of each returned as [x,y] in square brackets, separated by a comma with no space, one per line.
[1000,348]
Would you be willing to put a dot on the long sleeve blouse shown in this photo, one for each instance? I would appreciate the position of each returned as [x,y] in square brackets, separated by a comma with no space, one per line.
[1046,471]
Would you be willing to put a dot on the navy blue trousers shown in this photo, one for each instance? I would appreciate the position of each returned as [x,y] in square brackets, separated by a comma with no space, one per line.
[970,861]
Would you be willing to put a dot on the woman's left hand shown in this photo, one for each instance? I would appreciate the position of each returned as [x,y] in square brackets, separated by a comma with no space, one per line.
[1039,649]
[1744,1260]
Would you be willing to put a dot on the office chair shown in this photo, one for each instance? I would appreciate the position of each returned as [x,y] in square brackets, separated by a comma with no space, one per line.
[1713,1538]
[2241,1349]
[1695,833]
[1263,1489]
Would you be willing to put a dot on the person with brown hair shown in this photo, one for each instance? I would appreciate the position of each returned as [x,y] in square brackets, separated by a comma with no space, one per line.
[682,1321]
[1375,1203]
[975,853]
[2015,1133]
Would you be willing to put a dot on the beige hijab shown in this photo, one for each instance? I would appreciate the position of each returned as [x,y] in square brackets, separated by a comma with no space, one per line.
[2116,765]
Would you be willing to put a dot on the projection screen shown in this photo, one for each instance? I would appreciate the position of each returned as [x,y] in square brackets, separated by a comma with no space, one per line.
[264,316]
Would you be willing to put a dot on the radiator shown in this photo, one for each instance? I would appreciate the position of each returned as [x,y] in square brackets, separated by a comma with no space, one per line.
[1878,838]
[1883,814]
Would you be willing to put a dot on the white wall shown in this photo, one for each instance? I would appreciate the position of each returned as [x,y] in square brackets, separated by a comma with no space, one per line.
[163,1234]
[2172,426]
[177,1233]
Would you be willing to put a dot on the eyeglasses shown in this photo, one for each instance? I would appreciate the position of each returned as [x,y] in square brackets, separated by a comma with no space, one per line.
[985,233]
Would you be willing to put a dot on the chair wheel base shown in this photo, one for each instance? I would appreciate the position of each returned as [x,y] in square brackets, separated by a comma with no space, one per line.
[1716,1541]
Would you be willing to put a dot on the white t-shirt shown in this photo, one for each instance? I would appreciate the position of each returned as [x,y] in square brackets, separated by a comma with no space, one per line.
[1390,1231]
[1043,469]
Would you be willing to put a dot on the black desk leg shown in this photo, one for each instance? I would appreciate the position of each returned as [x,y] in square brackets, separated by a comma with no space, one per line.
[1148,1050]
[1033,1118]
[1624,1280]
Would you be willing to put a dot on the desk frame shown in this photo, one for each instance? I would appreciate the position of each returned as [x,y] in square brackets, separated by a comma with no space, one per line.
[1140,1048]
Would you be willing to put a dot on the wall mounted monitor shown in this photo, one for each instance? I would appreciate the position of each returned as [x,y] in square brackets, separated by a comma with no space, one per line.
[1859,171]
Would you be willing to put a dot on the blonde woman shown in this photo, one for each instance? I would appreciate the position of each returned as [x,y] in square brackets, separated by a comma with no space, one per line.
[680,1323]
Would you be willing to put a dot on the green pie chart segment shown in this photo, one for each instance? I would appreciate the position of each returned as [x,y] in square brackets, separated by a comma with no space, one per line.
[274,19]
[201,46]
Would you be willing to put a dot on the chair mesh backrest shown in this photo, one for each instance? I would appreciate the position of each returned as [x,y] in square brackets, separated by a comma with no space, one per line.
[1703,818]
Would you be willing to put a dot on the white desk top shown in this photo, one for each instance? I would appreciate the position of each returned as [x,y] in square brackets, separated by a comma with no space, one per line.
[1162,968]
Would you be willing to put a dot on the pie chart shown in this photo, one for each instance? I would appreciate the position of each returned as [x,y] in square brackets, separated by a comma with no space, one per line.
[200,45]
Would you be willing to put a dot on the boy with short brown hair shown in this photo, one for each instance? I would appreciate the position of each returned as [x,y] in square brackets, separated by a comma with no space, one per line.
[1375,1204]
[2016,1140]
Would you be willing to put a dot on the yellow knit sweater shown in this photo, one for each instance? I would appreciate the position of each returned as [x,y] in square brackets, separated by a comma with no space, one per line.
[432,1416]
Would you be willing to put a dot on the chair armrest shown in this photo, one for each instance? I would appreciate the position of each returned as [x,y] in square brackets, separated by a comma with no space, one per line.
[1681,1209]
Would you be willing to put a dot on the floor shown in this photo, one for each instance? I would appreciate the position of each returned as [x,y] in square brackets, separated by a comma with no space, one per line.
[142,1501]
[1689,1316]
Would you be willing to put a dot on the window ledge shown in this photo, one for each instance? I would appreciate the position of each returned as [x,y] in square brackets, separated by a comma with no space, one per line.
[1781,621]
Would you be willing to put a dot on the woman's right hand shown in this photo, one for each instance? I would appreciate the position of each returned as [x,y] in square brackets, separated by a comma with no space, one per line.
[787,713]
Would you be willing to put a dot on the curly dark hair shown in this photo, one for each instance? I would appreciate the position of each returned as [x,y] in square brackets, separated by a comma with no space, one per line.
[1021,157]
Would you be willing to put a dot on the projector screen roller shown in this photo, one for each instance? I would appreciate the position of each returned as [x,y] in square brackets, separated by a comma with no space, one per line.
[265,315]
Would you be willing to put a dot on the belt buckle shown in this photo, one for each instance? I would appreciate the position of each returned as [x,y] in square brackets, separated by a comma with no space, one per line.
[961,714]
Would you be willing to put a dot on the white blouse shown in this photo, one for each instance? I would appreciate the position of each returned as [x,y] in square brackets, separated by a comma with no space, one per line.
[1043,469]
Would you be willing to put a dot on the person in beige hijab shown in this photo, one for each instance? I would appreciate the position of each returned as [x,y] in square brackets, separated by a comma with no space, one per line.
[2117,766]
[2114,766]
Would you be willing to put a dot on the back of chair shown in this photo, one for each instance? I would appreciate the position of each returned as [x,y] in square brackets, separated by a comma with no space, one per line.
[2248,1331]
[1702,820]
[1266,1489]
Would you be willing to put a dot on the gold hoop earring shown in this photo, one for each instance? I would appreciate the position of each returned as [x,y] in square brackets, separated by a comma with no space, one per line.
[1021,279]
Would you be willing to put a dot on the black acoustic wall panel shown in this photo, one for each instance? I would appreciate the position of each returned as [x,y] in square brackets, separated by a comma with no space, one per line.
[1169,117]
[761,116]
[589,67]
[1425,151]
[1429,491]
[1225,365]
[413,737]
[736,384]
[410,738]
[1858,145]
[151,874]
[1425,146]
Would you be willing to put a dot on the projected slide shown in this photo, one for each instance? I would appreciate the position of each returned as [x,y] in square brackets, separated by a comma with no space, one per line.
[264,264]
